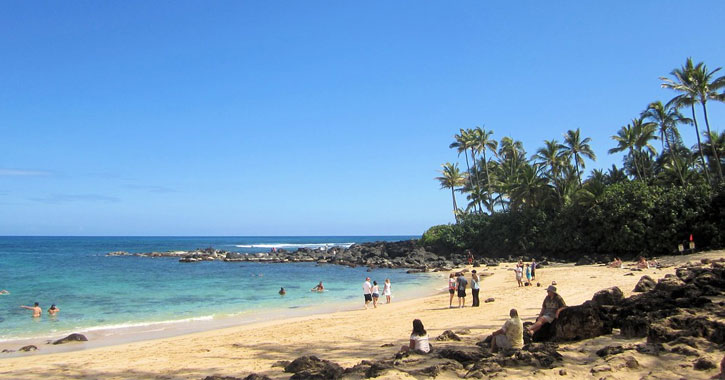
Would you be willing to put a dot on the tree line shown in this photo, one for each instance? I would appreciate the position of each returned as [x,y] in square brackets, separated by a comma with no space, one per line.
[540,204]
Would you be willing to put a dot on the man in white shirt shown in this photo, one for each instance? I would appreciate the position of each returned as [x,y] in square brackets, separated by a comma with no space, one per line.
[367,291]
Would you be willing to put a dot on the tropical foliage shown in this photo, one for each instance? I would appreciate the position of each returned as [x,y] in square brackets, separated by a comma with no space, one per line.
[542,205]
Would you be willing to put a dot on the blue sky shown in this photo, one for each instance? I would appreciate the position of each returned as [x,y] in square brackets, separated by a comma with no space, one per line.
[306,118]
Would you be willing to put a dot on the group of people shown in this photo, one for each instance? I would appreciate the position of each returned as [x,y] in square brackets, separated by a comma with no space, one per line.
[457,284]
[37,311]
[510,335]
[371,292]
[525,272]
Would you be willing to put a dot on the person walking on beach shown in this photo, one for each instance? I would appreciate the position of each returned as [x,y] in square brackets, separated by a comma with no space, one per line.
[550,309]
[367,291]
[451,288]
[37,311]
[462,283]
[475,287]
[386,290]
[53,310]
[376,294]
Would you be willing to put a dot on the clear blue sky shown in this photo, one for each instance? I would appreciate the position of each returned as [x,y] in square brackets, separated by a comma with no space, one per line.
[306,117]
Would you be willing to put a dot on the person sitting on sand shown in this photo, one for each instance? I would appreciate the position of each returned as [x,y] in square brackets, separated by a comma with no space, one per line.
[617,263]
[419,342]
[37,311]
[642,263]
[550,309]
[53,310]
[282,291]
[511,335]
[318,288]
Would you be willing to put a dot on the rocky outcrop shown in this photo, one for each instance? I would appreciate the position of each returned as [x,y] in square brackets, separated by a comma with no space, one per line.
[313,368]
[72,338]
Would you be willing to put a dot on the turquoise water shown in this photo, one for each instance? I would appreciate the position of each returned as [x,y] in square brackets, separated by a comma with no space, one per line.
[95,291]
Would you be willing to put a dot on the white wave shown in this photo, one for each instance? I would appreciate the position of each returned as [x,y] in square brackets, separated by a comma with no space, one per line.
[294,245]
[144,324]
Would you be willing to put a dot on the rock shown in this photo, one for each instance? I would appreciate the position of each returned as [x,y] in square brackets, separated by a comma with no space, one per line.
[255,376]
[631,362]
[489,300]
[610,350]
[72,338]
[562,372]
[281,363]
[585,260]
[581,322]
[611,296]
[634,327]
[311,367]
[462,356]
[601,368]
[645,284]
[669,284]
[219,377]
[6,351]
[388,345]
[28,348]
[448,335]
[703,364]
[378,368]
[684,351]
[629,274]
[463,332]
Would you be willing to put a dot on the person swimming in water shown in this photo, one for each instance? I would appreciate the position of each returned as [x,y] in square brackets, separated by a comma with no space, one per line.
[318,288]
[282,292]
[53,310]
[37,311]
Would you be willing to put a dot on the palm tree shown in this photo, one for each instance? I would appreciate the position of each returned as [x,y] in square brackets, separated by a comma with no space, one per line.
[553,156]
[452,178]
[716,147]
[685,83]
[462,143]
[667,118]
[576,148]
[482,142]
[626,139]
[645,132]
[706,87]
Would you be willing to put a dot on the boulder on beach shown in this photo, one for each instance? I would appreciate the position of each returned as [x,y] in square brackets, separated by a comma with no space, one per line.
[312,367]
[72,338]
[645,284]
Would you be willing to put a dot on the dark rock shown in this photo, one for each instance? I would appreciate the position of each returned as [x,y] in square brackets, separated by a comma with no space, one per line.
[645,284]
[585,260]
[28,348]
[388,345]
[629,274]
[448,335]
[610,350]
[72,338]
[650,349]
[6,351]
[489,300]
[219,377]
[669,284]
[611,296]
[281,363]
[703,364]
[311,367]
[376,369]
[581,322]
[631,362]
[462,356]
[684,351]
[562,372]
[255,376]
[634,327]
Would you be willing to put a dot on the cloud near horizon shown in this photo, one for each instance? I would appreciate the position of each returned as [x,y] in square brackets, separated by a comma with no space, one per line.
[22,173]
[67,198]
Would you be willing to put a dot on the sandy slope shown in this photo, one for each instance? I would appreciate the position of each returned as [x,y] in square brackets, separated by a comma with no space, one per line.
[348,337]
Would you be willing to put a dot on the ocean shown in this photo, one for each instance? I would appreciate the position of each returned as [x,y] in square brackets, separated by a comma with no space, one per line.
[96,292]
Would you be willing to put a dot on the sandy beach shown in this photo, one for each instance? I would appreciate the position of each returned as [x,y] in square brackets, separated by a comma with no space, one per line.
[351,336]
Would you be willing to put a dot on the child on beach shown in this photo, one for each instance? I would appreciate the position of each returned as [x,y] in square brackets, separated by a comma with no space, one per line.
[376,293]
[528,275]
[386,290]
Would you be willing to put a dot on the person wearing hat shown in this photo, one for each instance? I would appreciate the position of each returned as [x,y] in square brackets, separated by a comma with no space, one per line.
[550,309]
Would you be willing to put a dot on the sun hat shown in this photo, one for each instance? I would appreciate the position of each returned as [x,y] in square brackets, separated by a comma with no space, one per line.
[551,288]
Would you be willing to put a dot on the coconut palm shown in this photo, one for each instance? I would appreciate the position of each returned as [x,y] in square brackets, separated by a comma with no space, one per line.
[692,83]
[462,143]
[482,142]
[645,132]
[626,139]
[553,156]
[452,178]
[576,148]
[667,117]
[718,142]
[706,87]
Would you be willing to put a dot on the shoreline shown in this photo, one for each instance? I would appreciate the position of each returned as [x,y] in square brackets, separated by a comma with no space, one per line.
[104,336]
[347,337]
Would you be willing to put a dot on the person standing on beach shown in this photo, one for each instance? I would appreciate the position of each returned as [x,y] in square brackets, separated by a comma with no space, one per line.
[462,283]
[451,288]
[475,287]
[376,294]
[528,275]
[519,274]
[37,311]
[533,269]
[367,291]
[386,290]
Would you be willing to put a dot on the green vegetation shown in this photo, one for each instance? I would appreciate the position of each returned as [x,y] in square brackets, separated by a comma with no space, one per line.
[541,205]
